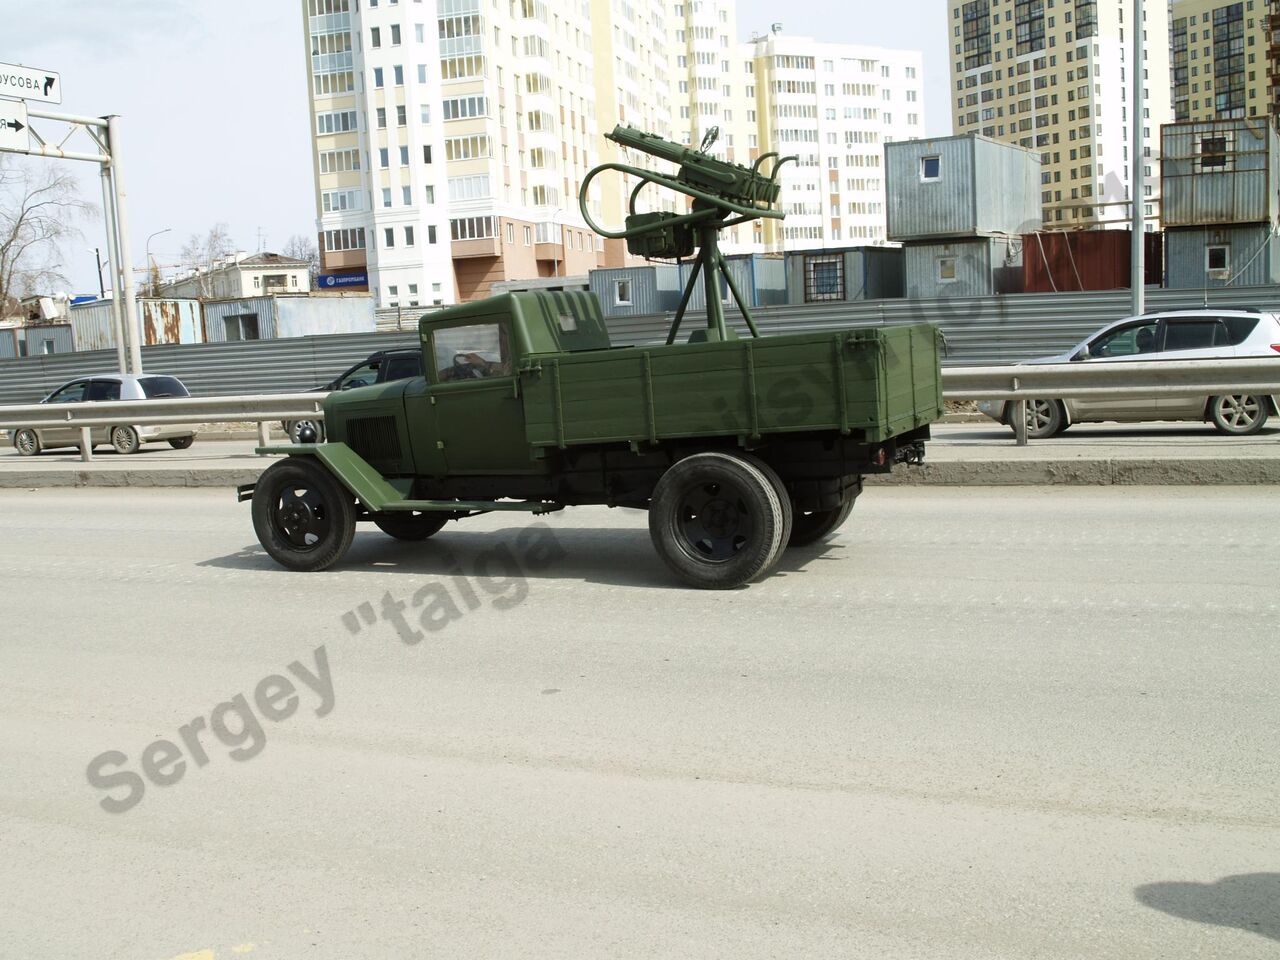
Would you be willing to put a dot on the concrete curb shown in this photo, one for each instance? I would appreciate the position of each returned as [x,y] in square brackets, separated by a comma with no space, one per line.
[1088,473]
[984,473]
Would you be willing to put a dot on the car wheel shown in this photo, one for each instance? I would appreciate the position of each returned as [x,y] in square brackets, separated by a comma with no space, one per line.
[305,519]
[182,443]
[27,442]
[410,526]
[296,428]
[817,525]
[1238,414]
[1044,418]
[716,521]
[125,440]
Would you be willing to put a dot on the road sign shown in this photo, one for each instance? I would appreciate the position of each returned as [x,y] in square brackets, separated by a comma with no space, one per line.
[27,83]
[13,126]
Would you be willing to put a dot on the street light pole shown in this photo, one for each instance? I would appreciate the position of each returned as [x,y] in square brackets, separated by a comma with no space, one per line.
[1137,170]
[150,264]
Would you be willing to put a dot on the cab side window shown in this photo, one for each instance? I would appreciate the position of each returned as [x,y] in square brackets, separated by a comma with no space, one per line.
[476,351]
[400,368]
[71,393]
[1195,334]
[362,376]
[1127,341]
[104,390]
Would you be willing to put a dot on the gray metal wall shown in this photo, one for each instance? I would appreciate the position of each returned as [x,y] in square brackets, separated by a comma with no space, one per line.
[1255,256]
[870,273]
[36,337]
[984,266]
[8,343]
[1246,189]
[648,295]
[984,188]
[979,330]
[209,369]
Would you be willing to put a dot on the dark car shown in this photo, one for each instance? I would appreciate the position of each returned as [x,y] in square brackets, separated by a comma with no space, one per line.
[381,367]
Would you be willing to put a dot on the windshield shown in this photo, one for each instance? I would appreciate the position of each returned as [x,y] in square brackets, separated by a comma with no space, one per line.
[157,388]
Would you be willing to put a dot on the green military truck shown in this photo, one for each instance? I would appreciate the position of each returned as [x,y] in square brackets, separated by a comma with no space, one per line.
[737,447]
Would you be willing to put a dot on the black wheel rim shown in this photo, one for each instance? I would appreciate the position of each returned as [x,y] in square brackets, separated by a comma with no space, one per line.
[302,517]
[714,521]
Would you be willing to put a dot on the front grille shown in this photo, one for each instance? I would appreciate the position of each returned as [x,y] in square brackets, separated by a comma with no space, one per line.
[374,438]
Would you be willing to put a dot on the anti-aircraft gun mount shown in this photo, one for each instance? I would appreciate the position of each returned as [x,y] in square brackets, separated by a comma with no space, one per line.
[737,448]
[724,195]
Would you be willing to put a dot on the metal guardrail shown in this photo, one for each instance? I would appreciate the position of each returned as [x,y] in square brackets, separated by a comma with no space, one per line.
[261,409]
[1019,382]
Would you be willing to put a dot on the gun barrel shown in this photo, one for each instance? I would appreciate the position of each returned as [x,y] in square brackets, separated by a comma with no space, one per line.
[639,140]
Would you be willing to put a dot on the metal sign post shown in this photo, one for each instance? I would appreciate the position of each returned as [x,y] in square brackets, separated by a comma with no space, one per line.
[18,136]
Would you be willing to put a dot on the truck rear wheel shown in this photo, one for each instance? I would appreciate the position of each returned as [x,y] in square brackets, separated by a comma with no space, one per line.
[807,528]
[716,520]
[305,519]
[410,526]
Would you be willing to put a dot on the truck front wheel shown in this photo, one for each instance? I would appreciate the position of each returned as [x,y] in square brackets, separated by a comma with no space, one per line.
[305,519]
[716,520]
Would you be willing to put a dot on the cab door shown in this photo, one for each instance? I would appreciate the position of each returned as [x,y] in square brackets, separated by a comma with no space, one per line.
[1135,341]
[1193,338]
[73,392]
[475,397]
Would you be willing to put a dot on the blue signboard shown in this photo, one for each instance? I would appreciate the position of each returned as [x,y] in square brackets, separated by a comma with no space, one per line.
[331,281]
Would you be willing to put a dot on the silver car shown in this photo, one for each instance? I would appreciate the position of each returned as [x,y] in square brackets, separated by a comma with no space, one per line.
[1205,334]
[126,438]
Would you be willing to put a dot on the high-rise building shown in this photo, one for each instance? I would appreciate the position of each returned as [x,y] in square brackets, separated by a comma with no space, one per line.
[1057,80]
[1224,58]
[450,141]
[834,106]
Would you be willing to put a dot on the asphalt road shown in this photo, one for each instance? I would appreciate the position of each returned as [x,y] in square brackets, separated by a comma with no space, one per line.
[978,724]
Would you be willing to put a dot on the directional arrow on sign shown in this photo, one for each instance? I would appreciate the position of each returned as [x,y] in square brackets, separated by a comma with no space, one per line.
[14,135]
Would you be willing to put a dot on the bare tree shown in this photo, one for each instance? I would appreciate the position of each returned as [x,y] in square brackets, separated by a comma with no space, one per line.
[39,208]
[300,247]
[200,254]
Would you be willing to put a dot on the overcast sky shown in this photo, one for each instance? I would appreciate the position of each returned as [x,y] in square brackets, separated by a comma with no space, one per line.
[214,109]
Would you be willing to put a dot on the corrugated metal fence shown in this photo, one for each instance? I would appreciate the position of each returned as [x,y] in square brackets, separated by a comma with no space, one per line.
[981,330]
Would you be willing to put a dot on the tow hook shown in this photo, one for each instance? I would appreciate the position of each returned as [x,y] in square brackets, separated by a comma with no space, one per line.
[911,453]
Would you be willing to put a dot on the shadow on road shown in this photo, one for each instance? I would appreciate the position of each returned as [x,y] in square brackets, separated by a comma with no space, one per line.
[1249,901]
[608,555]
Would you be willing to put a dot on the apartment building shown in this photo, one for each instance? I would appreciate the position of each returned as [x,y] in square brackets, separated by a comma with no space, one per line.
[450,140]
[834,106]
[1224,58]
[1056,78]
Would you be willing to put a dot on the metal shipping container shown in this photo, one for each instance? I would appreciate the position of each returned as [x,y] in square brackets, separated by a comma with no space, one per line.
[320,316]
[8,343]
[253,318]
[1086,260]
[1235,256]
[854,273]
[968,186]
[657,288]
[45,339]
[1220,172]
[160,320]
[964,268]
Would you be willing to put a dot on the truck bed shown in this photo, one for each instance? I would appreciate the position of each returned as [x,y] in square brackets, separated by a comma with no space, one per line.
[874,382]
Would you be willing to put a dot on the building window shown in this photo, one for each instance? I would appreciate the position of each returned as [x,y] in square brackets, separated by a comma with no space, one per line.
[406,196]
[930,168]
[377,76]
[386,196]
[946,269]
[389,237]
[528,236]
[408,236]
[395,34]
[404,156]
[375,38]
[1214,153]
[431,233]
[621,292]
[1218,257]
[824,277]
[383,158]
[242,327]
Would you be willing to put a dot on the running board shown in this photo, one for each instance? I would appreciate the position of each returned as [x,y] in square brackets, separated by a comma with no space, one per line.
[469,506]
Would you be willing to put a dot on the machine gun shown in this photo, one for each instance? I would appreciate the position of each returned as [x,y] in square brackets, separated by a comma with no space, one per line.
[724,194]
